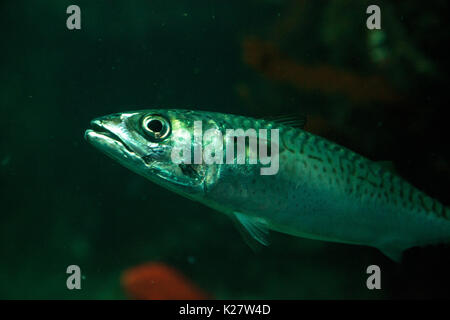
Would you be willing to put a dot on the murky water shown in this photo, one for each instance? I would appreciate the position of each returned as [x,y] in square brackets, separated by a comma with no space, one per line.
[382,93]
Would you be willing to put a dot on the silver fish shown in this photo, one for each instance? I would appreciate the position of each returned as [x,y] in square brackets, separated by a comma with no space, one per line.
[321,191]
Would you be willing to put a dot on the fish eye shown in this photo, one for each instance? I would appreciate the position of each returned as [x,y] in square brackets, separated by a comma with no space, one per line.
[156,127]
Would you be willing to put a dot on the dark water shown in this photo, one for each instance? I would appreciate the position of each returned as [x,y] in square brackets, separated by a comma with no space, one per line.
[382,93]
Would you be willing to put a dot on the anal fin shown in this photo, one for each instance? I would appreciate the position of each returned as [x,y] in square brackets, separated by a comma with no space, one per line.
[253,230]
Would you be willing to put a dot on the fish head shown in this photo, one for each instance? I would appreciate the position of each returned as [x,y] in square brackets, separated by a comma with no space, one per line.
[144,142]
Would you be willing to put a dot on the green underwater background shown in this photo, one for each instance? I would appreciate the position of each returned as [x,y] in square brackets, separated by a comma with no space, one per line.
[382,93]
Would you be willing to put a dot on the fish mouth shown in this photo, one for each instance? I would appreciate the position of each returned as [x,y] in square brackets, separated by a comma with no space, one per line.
[100,133]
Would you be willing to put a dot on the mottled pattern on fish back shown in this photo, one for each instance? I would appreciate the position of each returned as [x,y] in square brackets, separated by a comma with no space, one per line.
[338,167]
[357,176]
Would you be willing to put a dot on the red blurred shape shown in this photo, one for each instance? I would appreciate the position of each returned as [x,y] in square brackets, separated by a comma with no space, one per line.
[157,281]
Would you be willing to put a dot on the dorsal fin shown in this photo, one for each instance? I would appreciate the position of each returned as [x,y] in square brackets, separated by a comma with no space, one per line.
[253,231]
[295,121]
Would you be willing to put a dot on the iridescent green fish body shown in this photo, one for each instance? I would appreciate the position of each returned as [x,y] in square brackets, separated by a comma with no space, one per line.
[321,190]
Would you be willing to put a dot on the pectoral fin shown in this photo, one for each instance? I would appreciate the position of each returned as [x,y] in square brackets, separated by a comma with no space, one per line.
[254,231]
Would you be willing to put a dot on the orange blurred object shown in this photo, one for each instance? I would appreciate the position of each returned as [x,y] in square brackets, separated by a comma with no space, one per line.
[157,281]
[266,58]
